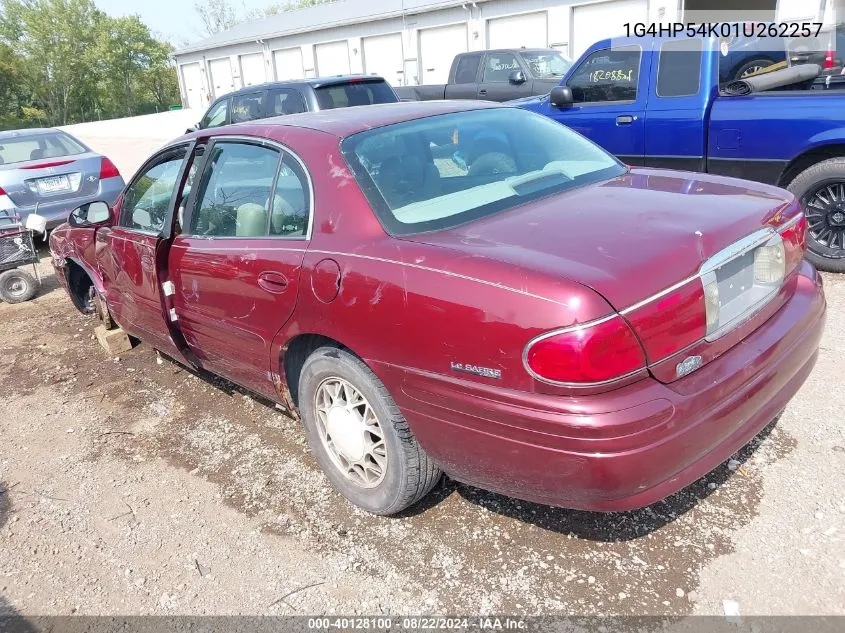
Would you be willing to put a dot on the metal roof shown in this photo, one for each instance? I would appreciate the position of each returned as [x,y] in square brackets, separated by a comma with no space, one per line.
[321,16]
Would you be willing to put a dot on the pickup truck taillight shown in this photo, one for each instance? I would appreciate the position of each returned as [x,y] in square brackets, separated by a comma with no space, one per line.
[729,289]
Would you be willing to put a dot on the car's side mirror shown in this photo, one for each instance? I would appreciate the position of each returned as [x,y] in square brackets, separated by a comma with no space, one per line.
[516,77]
[193,128]
[561,97]
[90,214]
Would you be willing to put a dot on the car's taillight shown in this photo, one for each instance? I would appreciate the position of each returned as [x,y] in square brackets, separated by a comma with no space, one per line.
[596,352]
[672,321]
[2,193]
[829,59]
[107,169]
[794,235]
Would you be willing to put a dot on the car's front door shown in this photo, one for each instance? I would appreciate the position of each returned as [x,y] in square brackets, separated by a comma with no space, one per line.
[127,251]
[495,78]
[610,92]
[235,264]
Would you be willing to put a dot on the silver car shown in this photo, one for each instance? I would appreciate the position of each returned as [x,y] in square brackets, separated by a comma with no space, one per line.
[51,169]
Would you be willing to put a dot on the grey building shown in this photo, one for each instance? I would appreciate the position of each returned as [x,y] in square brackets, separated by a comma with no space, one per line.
[412,42]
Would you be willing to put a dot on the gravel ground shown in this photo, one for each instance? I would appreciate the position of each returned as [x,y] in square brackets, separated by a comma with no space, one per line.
[132,486]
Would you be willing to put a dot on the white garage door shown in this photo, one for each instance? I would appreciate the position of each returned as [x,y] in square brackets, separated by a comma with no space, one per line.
[438,48]
[332,58]
[530,30]
[383,56]
[252,69]
[288,64]
[192,81]
[221,76]
[593,22]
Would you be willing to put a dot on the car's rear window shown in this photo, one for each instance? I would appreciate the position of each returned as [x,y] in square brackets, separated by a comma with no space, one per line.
[441,171]
[354,94]
[38,146]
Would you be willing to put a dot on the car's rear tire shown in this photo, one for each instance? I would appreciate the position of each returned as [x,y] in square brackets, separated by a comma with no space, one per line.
[821,190]
[17,285]
[358,435]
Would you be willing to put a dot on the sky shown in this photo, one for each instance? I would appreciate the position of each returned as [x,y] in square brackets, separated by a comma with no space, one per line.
[174,20]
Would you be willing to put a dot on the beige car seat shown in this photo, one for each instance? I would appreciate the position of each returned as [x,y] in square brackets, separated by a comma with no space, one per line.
[251,219]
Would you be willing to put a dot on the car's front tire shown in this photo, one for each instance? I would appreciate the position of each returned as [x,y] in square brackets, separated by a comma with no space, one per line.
[358,435]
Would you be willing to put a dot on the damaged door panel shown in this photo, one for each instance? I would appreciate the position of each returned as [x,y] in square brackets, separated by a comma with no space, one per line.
[235,265]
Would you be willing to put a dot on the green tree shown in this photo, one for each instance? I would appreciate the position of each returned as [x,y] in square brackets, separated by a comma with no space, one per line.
[54,38]
[125,53]
[216,15]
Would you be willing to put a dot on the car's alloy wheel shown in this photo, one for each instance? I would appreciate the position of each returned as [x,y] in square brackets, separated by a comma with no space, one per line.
[351,432]
[359,436]
[821,190]
[825,209]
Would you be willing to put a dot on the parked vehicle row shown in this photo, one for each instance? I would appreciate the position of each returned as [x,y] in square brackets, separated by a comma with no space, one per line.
[463,287]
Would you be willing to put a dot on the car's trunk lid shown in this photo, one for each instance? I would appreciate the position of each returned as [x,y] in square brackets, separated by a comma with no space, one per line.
[47,180]
[629,238]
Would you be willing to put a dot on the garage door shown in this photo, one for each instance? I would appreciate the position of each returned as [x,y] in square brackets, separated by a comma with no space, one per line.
[221,76]
[383,56]
[332,59]
[288,64]
[192,81]
[252,69]
[594,22]
[438,48]
[530,30]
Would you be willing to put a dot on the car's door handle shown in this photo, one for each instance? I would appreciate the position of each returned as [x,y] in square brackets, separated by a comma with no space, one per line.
[273,282]
[624,119]
[482,92]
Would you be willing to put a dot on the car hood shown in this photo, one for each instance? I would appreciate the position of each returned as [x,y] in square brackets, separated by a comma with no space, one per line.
[627,238]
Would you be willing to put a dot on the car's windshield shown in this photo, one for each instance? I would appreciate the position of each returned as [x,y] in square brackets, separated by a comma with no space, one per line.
[37,146]
[441,171]
[546,64]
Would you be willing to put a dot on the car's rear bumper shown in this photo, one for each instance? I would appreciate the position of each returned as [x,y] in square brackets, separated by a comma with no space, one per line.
[56,211]
[629,447]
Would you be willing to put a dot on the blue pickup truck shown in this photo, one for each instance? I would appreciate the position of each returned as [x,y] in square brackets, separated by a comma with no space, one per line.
[657,102]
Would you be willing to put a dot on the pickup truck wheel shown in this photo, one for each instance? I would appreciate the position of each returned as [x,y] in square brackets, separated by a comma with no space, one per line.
[358,435]
[17,285]
[821,191]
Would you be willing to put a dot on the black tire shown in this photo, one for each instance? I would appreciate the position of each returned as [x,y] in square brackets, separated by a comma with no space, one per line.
[826,173]
[410,473]
[17,285]
[748,67]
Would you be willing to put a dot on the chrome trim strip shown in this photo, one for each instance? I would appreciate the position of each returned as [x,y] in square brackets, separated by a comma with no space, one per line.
[659,295]
[792,222]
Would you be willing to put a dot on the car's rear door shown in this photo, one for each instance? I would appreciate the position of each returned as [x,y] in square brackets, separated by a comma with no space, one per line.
[465,82]
[610,89]
[127,251]
[235,263]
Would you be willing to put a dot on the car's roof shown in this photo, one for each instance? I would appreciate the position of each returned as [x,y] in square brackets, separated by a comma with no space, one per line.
[315,82]
[4,134]
[359,118]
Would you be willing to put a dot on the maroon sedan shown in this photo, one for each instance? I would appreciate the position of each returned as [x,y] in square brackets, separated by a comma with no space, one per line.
[467,288]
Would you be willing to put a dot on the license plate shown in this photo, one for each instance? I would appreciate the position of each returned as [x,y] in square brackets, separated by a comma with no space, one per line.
[53,184]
